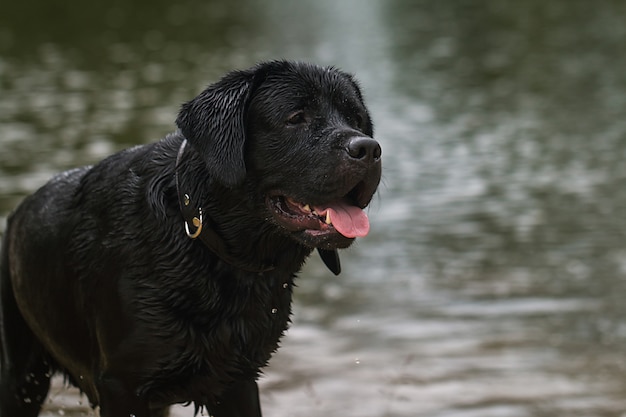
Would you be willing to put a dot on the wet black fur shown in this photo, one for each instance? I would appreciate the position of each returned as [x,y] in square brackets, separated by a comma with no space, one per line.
[99,281]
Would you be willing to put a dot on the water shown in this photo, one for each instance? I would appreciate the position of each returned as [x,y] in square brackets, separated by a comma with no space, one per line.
[492,282]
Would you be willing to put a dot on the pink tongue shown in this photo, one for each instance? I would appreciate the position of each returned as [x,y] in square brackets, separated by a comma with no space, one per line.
[349,220]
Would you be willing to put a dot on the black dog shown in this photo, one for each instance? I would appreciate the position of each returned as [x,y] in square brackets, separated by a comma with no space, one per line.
[103,279]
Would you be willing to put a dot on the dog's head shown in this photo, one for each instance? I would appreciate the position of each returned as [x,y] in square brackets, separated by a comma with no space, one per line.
[300,136]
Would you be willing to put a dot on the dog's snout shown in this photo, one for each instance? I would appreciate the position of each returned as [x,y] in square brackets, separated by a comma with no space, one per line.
[363,148]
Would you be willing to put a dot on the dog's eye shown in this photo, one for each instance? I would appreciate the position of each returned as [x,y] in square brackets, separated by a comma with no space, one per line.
[357,119]
[296,118]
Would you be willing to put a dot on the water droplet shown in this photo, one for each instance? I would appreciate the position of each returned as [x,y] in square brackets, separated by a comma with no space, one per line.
[285,285]
[357,361]
[274,310]
[27,400]
[61,412]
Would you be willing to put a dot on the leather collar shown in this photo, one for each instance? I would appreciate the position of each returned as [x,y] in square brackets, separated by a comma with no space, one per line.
[198,225]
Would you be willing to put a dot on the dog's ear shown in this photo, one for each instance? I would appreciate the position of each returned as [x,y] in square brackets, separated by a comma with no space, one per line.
[214,124]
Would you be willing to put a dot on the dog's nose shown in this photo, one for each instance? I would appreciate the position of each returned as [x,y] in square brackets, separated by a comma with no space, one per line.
[364,148]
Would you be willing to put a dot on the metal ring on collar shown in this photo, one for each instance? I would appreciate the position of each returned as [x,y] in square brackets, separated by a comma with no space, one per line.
[197,222]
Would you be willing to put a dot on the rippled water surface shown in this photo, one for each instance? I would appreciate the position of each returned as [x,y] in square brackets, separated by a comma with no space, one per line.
[493,281]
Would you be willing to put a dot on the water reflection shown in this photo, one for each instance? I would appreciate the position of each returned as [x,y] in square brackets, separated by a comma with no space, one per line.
[491,283]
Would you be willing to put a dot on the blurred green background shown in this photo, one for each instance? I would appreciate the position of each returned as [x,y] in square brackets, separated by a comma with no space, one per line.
[493,281]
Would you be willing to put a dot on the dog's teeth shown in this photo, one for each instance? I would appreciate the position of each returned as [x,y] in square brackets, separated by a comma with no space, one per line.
[306,208]
[328,218]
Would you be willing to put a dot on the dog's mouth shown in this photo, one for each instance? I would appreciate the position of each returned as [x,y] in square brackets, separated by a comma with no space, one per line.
[342,216]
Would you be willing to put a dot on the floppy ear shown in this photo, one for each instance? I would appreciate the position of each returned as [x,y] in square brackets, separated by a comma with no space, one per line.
[214,124]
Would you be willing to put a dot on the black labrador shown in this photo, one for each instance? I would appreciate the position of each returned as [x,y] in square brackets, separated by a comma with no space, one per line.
[164,273]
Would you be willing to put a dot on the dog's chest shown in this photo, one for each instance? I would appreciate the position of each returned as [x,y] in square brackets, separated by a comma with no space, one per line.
[230,341]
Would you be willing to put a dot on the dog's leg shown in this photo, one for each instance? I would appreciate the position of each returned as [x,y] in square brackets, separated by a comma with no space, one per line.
[117,399]
[24,367]
[240,400]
